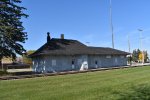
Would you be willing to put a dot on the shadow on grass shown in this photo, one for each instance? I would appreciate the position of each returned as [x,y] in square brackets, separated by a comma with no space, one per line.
[140,92]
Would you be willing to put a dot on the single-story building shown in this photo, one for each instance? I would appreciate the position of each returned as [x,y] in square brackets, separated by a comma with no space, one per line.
[59,54]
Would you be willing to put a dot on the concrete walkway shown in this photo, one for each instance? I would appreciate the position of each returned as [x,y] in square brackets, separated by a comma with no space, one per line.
[30,70]
[140,64]
[63,73]
[19,70]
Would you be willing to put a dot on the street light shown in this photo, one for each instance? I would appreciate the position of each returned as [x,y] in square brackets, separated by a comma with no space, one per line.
[129,50]
[129,43]
[111,24]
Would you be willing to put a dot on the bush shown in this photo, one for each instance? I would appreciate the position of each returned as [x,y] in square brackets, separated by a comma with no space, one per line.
[3,73]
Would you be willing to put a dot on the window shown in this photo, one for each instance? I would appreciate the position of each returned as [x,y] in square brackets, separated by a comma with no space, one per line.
[72,62]
[108,56]
[53,62]
[116,60]
[96,62]
[121,56]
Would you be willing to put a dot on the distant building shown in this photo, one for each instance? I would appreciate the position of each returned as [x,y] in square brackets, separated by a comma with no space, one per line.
[7,60]
[19,60]
[65,55]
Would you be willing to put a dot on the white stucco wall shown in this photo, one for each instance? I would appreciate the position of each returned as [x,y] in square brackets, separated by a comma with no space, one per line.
[81,62]
[63,63]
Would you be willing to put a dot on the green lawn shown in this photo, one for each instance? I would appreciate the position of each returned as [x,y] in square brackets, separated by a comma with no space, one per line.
[120,84]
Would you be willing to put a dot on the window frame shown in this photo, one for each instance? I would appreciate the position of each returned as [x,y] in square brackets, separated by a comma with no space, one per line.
[108,56]
[54,62]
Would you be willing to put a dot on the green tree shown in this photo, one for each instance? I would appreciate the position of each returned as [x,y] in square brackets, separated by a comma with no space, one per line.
[134,58]
[11,29]
[138,53]
[135,55]
[26,59]
[145,56]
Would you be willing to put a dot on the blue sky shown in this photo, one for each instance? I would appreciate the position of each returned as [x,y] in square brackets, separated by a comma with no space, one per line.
[88,21]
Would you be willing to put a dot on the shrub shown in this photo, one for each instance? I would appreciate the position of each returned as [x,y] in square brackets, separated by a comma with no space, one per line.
[3,72]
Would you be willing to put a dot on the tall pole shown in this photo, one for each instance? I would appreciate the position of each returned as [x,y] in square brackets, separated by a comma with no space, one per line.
[129,43]
[111,24]
[129,51]
[140,38]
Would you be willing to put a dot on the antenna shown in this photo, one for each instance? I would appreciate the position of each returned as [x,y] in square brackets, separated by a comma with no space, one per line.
[111,24]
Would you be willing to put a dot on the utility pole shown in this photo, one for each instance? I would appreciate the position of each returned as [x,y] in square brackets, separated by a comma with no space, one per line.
[129,50]
[140,30]
[129,43]
[111,24]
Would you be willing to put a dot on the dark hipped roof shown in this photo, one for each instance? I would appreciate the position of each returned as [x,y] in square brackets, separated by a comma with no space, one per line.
[73,47]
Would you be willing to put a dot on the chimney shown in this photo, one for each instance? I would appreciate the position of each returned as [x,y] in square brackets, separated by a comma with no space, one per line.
[48,37]
[62,36]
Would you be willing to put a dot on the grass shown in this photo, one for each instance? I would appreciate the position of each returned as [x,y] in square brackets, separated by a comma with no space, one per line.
[121,84]
[2,73]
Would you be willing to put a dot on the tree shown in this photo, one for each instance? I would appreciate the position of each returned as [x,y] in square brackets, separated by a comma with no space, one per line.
[135,55]
[11,29]
[138,53]
[26,59]
[145,56]
[141,56]
[130,59]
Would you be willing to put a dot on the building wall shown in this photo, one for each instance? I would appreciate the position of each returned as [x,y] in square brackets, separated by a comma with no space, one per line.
[58,63]
[7,60]
[80,62]
[106,61]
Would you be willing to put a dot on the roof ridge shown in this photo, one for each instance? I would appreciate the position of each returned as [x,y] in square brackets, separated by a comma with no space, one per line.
[63,39]
[97,47]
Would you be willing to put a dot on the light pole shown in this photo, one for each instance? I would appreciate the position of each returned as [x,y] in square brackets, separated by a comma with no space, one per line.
[129,50]
[111,24]
[129,43]
[140,30]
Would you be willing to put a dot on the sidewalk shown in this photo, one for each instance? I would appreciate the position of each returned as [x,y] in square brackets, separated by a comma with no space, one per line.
[63,73]
[19,70]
